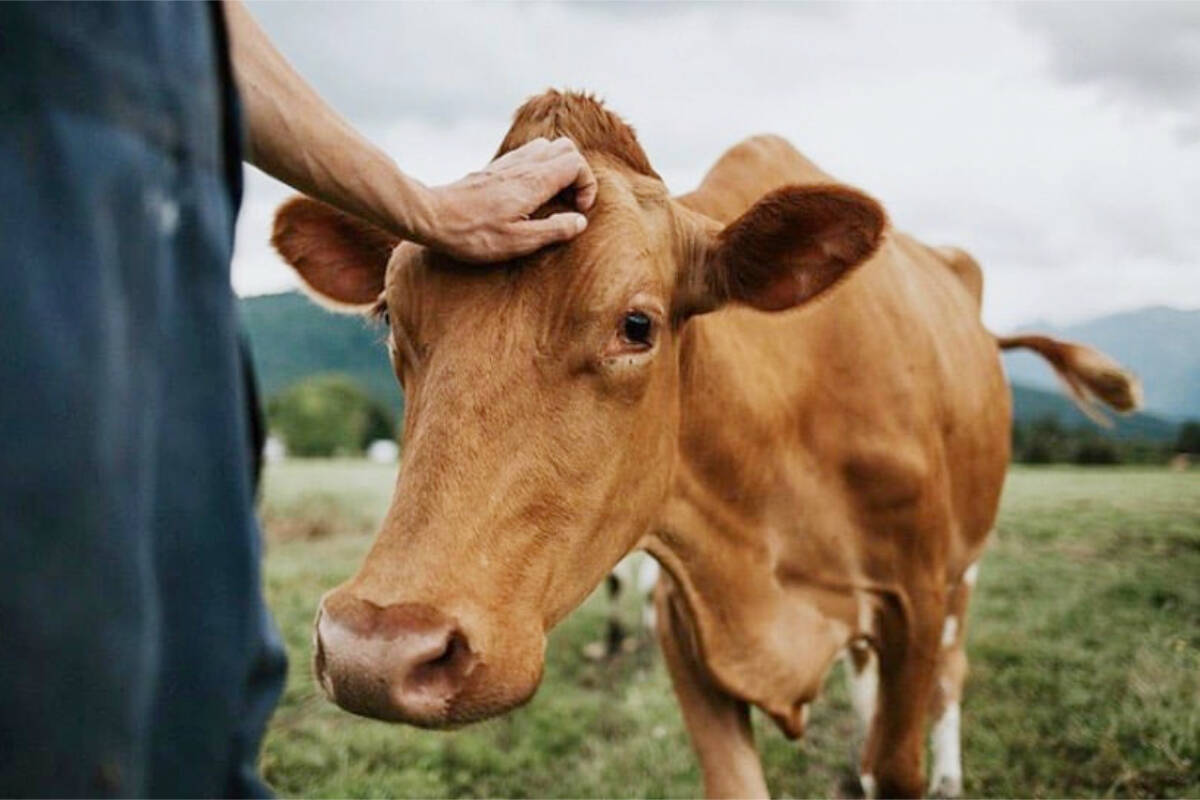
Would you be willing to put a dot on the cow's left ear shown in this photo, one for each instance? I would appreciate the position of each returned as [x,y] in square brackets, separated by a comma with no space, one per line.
[791,246]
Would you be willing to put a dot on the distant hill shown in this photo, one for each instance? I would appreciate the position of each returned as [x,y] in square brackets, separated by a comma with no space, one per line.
[1030,404]
[293,338]
[1161,345]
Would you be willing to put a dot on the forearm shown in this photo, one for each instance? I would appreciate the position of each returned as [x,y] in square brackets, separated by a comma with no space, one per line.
[296,137]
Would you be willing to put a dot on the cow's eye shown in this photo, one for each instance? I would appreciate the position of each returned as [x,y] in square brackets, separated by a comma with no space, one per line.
[637,328]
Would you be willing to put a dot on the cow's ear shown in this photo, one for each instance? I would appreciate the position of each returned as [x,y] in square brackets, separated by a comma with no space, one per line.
[791,246]
[341,259]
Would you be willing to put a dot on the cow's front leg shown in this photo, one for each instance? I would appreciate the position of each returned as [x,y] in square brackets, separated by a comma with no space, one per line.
[718,724]
[893,760]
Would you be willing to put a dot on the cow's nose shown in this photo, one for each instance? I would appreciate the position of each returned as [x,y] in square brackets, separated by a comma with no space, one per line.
[405,662]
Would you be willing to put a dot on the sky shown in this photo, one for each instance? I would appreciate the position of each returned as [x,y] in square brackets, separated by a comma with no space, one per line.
[1058,143]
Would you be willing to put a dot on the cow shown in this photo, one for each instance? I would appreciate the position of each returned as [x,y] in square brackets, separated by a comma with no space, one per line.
[792,407]
[640,575]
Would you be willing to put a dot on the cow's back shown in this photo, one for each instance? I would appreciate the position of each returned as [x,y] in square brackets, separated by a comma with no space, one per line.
[882,404]
[746,172]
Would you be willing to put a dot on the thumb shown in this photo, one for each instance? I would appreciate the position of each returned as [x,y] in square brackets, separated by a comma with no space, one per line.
[554,228]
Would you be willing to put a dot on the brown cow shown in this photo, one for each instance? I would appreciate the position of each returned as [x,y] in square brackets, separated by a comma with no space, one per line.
[814,481]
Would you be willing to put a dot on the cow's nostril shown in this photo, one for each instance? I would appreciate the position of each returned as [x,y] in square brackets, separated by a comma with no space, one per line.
[319,669]
[318,654]
[447,653]
[445,667]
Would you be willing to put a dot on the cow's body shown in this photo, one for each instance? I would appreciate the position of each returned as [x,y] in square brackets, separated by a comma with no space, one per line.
[839,468]
[814,481]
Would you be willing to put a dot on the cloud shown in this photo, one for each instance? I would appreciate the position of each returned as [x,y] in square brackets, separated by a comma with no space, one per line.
[448,62]
[957,117]
[1146,55]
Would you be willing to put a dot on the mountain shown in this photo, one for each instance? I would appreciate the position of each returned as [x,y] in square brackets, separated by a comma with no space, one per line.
[1161,345]
[1031,404]
[292,338]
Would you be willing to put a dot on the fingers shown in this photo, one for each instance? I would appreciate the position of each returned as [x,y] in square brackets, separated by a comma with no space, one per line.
[557,164]
[534,151]
[534,234]
[568,170]
[572,170]
[585,185]
[522,238]
[484,217]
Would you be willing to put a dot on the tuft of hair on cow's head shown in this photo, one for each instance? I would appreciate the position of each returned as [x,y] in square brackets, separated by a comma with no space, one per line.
[583,119]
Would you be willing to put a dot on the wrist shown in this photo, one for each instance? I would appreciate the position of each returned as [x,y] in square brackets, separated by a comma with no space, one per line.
[420,210]
[398,203]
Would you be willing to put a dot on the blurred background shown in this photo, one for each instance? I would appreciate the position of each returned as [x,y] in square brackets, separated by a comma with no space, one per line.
[1058,143]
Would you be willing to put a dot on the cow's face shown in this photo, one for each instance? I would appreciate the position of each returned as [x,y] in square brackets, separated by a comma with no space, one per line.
[541,419]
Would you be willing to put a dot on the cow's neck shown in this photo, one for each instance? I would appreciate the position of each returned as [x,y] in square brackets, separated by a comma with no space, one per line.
[717,540]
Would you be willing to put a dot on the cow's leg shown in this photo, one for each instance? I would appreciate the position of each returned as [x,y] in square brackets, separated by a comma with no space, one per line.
[908,650]
[718,724]
[647,579]
[945,774]
[614,633]
[614,637]
[862,673]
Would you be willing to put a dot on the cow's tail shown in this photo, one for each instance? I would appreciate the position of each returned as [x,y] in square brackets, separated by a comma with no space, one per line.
[1091,377]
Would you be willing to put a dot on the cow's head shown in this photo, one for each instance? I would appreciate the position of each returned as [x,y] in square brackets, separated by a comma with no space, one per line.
[542,410]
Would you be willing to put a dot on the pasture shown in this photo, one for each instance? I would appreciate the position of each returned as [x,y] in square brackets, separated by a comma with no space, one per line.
[1084,642]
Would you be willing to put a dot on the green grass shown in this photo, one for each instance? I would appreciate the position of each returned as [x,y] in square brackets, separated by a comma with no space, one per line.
[1084,642]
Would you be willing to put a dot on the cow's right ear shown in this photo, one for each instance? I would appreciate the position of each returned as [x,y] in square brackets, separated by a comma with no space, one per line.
[341,259]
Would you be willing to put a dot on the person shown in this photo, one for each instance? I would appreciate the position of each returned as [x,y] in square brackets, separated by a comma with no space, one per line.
[139,658]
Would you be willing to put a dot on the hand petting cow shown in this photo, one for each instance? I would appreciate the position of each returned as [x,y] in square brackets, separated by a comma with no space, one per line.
[792,407]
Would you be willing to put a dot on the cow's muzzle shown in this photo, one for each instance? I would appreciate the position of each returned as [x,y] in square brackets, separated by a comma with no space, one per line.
[403,663]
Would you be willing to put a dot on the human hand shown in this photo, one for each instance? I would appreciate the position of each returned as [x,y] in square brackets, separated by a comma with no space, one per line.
[485,216]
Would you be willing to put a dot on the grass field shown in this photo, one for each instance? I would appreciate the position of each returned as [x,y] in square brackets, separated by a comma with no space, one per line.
[1084,642]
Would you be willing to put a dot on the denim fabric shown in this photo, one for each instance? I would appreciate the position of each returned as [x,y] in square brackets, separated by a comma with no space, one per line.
[136,655]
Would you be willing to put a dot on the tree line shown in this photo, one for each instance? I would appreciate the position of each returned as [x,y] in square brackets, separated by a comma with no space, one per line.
[1045,440]
[331,414]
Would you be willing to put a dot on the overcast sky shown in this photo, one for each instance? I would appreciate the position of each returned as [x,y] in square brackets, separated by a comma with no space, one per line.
[1060,144]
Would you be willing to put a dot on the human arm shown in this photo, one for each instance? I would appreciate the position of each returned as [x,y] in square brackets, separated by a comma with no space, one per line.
[298,138]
